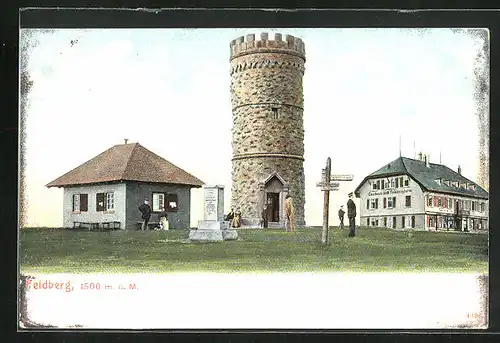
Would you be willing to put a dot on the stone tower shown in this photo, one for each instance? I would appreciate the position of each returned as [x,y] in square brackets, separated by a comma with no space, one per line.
[268,127]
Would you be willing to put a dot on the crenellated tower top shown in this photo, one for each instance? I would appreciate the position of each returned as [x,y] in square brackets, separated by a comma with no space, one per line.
[249,45]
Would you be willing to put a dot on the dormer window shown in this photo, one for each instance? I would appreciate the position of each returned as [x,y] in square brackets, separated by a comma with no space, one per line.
[438,181]
[447,182]
[472,187]
[407,182]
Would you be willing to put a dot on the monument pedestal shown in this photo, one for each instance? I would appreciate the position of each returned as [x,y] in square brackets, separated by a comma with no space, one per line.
[213,228]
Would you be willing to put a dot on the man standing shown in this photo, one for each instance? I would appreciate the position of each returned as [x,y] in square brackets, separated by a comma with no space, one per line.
[351,214]
[146,214]
[289,214]
[264,217]
[341,217]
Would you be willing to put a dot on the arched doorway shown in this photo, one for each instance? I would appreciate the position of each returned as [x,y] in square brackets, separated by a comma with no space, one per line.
[273,191]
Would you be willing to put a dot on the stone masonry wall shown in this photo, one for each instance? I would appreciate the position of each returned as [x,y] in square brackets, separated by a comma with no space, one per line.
[266,80]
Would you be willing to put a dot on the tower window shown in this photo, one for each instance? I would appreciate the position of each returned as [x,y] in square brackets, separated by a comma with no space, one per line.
[275,112]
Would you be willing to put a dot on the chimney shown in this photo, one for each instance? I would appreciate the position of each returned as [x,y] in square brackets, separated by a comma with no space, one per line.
[126,140]
[420,156]
[459,170]
[426,159]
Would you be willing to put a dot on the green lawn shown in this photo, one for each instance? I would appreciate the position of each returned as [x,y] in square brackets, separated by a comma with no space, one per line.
[372,250]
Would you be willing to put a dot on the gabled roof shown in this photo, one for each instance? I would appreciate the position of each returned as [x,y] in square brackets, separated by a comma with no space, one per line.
[126,162]
[426,177]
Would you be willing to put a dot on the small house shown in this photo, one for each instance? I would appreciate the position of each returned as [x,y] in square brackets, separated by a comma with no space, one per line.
[106,191]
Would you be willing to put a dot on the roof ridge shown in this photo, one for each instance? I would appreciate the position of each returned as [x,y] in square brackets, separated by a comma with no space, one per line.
[404,165]
[129,159]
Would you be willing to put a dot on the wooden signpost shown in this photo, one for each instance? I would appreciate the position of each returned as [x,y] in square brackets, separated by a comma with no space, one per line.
[327,184]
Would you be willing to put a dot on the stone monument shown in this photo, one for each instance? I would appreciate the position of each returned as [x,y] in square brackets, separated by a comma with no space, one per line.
[213,227]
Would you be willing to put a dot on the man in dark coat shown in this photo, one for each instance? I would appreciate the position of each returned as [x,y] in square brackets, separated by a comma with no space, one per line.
[264,217]
[146,214]
[351,214]
[341,217]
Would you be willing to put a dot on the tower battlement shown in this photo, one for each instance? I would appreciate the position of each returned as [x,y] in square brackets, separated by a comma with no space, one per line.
[249,45]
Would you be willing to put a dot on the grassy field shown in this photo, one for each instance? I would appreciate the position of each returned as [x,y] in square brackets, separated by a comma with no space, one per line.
[372,250]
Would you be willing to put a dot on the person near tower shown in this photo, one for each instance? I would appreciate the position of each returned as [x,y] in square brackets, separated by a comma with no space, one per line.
[351,214]
[264,221]
[341,217]
[289,214]
[237,218]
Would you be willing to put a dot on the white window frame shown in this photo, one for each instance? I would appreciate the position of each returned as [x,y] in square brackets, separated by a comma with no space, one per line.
[373,204]
[393,183]
[76,202]
[389,203]
[110,201]
[158,201]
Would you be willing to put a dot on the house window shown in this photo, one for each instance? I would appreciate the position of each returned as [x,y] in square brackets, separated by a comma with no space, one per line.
[429,202]
[393,183]
[275,112]
[80,202]
[439,201]
[158,201]
[390,203]
[407,182]
[401,181]
[105,201]
[408,201]
[473,205]
[385,221]
[481,207]
[169,201]
[397,182]
[431,221]
[385,202]
[367,221]
[382,184]
[374,204]
[378,184]
[413,221]
[374,185]
[450,203]
[374,222]
[393,222]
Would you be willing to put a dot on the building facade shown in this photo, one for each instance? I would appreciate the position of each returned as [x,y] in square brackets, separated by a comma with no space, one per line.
[106,191]
[268,129]
[408,193]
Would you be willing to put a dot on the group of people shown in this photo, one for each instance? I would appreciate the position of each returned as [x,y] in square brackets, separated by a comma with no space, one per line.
[351,214]
[234,217]
[146,216]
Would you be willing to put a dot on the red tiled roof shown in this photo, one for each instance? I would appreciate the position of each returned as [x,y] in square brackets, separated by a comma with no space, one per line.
[126,162]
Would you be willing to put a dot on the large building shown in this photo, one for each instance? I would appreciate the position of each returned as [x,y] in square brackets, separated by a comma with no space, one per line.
[409,193]
[106,191]
[268,128]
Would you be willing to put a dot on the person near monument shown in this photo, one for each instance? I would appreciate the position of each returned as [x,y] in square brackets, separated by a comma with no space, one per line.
[289,214]
[146,214]
[237,218]
[341,217]
[264,221]
[163,219]
[351,214]
[230,215]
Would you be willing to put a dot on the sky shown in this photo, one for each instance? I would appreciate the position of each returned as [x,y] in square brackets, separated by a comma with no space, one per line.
[169,90]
